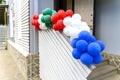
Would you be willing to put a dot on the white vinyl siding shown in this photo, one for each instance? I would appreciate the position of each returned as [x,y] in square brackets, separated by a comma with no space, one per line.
[19,21]
[11,21]
[56,61]
[22,22]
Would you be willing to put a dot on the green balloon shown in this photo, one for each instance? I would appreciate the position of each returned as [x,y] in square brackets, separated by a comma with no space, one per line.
[47,19]
[53,12]
[42,19]
[48,25]
[47,11]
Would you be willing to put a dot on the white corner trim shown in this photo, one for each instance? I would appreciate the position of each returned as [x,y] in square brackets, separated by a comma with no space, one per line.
[19,48]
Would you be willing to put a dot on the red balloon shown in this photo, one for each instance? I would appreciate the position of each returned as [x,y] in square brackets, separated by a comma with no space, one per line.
[60,24]
[33,22]
[54,18]
[36,16]
[61,14]
[37,27]
[36,22]
[69,13]
[60,11]
[55,27]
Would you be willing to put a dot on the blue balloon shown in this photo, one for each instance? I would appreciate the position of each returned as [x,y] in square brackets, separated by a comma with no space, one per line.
[86,59]
[76,53]
[92,39]
[97,59]
[102,45]
[84,35]
[82,45]
[94,49]
[73,42]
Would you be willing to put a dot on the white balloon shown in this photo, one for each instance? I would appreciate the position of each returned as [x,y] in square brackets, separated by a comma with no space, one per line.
[67,30]
[84,24]
[40,15]
[43,26]
[74,32]
[39,20]
[76,23]
[76,16]
[69,26]
[85,28]
[67,21]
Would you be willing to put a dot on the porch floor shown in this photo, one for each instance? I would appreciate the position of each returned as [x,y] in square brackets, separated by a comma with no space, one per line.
[8,67]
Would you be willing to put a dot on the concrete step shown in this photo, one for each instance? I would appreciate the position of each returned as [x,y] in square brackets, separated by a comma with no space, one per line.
[104,62]
[102,72]
[113,77]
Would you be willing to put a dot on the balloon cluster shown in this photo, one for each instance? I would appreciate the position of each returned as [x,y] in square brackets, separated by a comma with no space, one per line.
[35,21]
[43,21]
[46,17]
[87,48]
[74,25]
[57,19]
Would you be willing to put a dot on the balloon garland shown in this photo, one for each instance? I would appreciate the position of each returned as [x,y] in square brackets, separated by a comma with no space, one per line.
[86,47]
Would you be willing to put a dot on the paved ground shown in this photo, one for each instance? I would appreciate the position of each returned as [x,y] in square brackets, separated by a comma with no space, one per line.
[8,68]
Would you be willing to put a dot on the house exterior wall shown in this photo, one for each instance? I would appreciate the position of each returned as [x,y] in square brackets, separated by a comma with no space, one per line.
[20,60]
[19,24]
[42,4]
[22,23]
[28,66]
[107,24]
[19,48]
[28,62]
